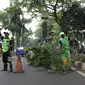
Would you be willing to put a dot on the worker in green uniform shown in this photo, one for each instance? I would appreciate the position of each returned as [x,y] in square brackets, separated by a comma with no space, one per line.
[65,53]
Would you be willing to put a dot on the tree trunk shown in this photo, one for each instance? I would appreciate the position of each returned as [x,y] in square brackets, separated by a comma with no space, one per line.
[17,39]
[55,11]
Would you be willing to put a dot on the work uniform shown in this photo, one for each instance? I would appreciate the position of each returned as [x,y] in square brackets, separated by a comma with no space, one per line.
[65,54]
[6,58]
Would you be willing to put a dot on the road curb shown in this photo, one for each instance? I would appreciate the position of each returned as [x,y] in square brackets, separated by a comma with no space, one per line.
[78,64]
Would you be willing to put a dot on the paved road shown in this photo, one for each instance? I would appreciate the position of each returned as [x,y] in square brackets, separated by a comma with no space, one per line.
[34,77]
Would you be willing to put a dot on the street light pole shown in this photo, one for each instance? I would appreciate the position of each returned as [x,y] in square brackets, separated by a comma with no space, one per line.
[44,26]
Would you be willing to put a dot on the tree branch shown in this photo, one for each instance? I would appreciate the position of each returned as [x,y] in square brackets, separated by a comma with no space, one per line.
[50,7]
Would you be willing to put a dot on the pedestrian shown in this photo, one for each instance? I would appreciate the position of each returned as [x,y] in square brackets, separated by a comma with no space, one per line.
[6,57]
[31,53]
[65,52]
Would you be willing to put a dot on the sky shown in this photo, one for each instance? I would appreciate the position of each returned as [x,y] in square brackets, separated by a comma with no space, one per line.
[4,4]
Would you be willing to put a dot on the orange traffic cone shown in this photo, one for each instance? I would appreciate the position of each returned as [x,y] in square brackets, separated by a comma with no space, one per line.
[19,65]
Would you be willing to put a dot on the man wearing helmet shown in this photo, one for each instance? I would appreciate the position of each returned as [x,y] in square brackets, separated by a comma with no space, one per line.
[65,54]
[6,58]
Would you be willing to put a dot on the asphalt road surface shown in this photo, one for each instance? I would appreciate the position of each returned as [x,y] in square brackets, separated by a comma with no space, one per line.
[32,76]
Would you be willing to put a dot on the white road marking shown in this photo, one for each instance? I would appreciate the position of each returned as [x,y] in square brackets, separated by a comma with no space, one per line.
[79,72]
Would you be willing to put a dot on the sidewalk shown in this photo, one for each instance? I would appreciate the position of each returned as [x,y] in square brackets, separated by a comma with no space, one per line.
[32,76]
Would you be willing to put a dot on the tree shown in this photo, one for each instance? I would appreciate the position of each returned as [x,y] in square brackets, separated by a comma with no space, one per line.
[73,18]
[73,23]
[4,19]
[13,19]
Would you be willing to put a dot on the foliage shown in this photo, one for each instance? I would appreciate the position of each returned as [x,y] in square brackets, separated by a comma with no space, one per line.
[73,18]
[42,56]
[41,6]
[58,66]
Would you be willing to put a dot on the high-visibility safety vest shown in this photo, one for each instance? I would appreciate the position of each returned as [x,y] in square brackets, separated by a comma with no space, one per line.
[5,44]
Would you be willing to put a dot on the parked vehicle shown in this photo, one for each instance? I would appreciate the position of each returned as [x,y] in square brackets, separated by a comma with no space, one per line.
[20,51]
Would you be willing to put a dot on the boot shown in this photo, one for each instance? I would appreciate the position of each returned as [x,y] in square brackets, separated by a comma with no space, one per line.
[11,69]
[5,67]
